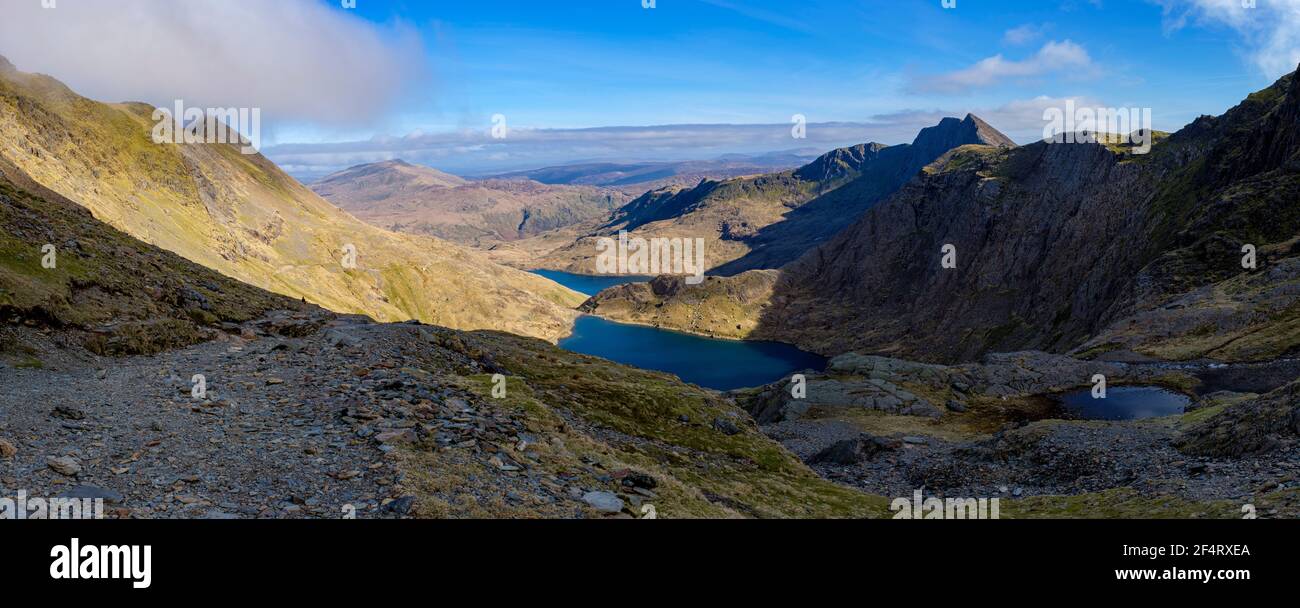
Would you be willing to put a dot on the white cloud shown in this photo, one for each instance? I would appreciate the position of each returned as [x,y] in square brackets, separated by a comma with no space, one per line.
[298,59]
[1270,29]
[1053,57]
[1025,34]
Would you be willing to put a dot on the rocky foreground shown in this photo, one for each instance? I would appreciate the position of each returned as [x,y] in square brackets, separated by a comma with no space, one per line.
[989,429]
[312,415]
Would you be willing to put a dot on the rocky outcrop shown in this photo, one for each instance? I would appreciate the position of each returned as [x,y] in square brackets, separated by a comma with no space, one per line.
[1263,424]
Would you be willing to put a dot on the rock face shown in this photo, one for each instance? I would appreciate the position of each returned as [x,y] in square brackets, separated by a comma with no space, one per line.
[1056,243]
[245,218]
[406,198]
[768,220]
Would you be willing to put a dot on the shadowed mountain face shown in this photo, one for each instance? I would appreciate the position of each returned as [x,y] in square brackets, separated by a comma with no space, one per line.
[112,294]
[419,200]
[240,215]
[1058,247]
[768,220]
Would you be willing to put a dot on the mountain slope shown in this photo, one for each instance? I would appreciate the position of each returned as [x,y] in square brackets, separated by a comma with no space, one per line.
[768,220]
[308,411]
[242,216]
[419,200]
[1062,247]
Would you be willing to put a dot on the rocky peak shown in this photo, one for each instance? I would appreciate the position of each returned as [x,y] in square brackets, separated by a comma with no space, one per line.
[951,133]
[840,163]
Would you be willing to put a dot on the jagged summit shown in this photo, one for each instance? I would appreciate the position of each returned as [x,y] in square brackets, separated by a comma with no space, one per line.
[951,133]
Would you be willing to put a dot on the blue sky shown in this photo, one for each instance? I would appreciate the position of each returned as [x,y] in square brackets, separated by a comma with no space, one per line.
[421,80]
[612,62]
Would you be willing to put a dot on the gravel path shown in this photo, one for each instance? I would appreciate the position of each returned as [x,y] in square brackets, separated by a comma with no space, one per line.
[256,445]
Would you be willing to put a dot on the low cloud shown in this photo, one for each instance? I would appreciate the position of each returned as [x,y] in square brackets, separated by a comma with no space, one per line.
[296,59]
[1053,57]
[1270,29]
[476,152]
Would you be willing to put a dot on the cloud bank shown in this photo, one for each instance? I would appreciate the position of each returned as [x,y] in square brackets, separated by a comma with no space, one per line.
[478,153]
[296,59]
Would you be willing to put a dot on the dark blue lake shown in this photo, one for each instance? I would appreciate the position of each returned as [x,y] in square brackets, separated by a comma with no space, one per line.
[708,362]
[588,284]
[1125,403]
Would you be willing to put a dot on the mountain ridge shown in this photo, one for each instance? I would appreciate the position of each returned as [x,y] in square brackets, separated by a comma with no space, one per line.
[241,215]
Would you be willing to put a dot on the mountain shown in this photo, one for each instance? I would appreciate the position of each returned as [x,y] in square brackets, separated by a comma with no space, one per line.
[306,411]
[106,291]
[243,217]
[766,221]
[420,200]
[1085,248]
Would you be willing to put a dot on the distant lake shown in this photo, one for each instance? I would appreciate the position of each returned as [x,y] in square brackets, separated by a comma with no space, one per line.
[1125,403]
[709,362]
[589,284]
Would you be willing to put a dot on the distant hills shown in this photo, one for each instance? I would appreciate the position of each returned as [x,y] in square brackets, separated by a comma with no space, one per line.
[407,198]
[767,220]
[639,177]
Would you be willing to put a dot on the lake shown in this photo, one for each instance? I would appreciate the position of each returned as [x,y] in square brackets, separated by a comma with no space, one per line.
[709,362]
[1125,403]
[589,284]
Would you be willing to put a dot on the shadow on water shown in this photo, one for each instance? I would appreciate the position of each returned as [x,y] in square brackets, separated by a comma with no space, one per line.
[709,362]
[589,285]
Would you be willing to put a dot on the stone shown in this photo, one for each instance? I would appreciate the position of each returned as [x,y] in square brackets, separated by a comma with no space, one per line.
[7,449]
[605,502]
[852,451]
[956,406]
[402,437]
[400,506]
[726,427]
[64,465]
[68,412]
[94,492]
[636,479]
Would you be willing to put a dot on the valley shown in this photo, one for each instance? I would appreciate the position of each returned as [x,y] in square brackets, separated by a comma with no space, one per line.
[828,362]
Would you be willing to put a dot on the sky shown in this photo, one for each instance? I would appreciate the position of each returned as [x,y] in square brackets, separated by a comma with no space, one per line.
[585,80]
